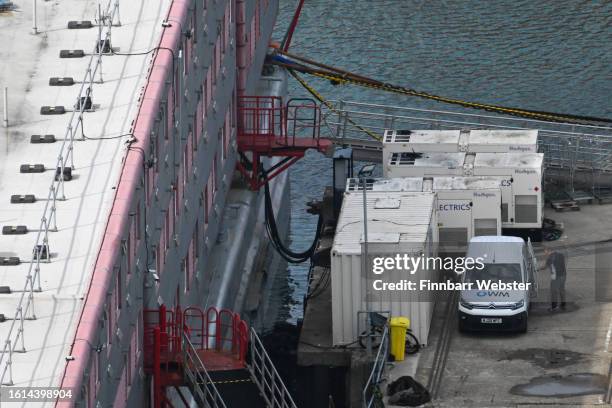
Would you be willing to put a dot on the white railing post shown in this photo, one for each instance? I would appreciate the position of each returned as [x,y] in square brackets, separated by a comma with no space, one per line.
[21,317]
[34,18]
[6,121]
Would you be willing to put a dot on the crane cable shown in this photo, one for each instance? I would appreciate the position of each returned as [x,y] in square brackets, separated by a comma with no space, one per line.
[339,76]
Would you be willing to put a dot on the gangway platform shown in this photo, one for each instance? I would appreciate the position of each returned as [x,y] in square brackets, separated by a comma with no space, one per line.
[215,355]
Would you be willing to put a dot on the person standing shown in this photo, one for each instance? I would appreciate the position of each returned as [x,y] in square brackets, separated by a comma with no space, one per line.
[555,260]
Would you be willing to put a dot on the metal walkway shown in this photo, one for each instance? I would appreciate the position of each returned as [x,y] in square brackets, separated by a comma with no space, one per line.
[237,389]
[575,152]
[213,354]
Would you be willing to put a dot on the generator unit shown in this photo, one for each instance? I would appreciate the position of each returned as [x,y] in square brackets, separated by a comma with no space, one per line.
[466,206]
[503,141]
[520,183]
[454,141]
[427,165]
[522,208]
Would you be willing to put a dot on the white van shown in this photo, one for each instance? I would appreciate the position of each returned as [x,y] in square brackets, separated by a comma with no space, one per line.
[497,291]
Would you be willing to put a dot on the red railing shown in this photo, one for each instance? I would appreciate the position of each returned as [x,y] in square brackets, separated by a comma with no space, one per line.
[261,122]
[267,127]
[217,330]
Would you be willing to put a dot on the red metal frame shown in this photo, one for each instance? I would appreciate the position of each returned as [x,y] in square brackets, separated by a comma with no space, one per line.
[267,127]
[218,331]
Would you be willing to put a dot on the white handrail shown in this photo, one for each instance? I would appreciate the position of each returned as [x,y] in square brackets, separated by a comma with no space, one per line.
[266,377]
[202,385]
[368,395]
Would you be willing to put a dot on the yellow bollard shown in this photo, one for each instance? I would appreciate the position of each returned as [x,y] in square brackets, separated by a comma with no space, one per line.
[399,326]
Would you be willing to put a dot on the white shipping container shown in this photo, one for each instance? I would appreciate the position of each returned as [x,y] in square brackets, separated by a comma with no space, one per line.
[398,223]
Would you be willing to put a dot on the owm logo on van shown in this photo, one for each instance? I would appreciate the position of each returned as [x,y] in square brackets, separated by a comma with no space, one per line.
[455,207]
[489,293]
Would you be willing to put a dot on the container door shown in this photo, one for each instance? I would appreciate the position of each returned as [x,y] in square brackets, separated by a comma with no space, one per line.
[454,224]
[507,206]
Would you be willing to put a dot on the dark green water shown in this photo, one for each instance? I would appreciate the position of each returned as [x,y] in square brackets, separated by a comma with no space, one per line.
[543,55]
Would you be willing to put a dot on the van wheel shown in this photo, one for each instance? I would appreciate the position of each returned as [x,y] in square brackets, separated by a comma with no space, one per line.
[462,328]
[523,327]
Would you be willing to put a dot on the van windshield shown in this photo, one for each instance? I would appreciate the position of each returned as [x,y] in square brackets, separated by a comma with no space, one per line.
[504,272]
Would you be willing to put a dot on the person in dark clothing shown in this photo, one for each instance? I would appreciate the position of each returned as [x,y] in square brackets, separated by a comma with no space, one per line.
[555,260]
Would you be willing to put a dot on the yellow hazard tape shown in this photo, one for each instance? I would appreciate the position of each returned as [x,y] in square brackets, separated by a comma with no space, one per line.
[244,380]
[493,108]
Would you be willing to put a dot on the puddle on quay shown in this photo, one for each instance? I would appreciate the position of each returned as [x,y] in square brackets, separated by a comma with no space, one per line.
[562,386]
[547,358]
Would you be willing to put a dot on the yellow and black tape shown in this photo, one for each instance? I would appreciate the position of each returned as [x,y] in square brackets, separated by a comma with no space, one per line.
[242,380]
[338,76]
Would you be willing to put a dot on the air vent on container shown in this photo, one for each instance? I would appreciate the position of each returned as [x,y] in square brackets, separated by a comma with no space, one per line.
[52,110]
[32,168]
[14,230]
[72,53]
[63,81]
[23,199]
[36,139]
[76,25]
[9,261]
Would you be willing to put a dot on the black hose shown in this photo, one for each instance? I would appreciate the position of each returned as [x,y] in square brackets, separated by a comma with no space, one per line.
[275,239]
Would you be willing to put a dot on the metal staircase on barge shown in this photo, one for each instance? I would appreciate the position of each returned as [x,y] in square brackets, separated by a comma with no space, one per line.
[269,128]
[215,355]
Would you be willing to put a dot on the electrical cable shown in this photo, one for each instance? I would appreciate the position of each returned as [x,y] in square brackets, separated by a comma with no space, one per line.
[145,165]
[174,91]
[274,236]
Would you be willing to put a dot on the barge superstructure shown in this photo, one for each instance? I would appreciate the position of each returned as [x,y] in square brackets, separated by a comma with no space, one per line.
[127,111]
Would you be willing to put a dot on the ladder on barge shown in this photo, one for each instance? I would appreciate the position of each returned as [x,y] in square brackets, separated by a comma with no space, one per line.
[215,355]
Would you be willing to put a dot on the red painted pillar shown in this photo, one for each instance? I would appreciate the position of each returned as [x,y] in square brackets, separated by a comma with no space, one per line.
[157,385]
